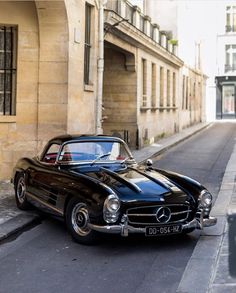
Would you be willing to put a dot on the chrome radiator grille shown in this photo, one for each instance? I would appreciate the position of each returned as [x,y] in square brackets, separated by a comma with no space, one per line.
[147,215]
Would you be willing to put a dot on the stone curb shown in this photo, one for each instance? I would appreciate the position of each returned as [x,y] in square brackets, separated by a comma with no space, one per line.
[199,272]
[17,224]
[166,148]
[175,142]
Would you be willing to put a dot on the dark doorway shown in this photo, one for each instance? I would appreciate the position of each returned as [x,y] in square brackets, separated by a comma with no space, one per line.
[226,97]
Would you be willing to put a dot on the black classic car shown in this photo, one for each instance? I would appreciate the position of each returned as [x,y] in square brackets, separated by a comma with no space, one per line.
[96,185]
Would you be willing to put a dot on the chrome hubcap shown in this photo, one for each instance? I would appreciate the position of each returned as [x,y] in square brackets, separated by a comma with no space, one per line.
[21,190]
[80,219]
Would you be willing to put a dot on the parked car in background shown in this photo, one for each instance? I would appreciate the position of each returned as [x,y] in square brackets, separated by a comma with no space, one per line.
[94,183]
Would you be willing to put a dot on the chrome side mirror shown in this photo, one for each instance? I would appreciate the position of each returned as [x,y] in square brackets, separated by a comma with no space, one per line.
[149,163]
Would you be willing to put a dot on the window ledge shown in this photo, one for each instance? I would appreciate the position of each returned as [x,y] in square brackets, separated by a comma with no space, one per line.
[167,108]
[8,119]
[144,109]
[89,87]
[154,108]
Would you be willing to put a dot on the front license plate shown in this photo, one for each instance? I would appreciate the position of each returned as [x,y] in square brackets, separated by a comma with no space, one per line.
[163,230]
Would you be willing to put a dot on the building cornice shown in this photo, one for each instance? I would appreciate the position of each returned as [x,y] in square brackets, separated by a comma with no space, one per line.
[137,38]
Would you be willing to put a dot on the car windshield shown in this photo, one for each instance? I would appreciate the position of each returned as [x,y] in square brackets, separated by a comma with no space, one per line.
[94,151]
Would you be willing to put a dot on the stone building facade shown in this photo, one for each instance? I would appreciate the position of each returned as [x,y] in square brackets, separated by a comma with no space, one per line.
[48,76]
[148,91]
[42,89]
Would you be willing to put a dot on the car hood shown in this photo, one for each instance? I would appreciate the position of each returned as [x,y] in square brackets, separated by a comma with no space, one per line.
[140,183]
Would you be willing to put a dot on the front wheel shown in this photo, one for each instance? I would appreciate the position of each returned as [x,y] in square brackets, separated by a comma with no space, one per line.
[77,219]
[20,193]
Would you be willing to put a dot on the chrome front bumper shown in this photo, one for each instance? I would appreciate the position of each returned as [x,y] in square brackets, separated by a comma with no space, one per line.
[124,229]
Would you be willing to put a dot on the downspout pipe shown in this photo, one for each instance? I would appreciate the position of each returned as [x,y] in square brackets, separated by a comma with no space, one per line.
[100,67]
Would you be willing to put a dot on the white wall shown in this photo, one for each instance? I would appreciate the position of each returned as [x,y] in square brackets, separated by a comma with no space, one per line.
[164,13]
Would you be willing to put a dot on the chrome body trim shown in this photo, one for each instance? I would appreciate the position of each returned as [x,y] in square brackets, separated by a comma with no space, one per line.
[187,212]
[153,215]
[44,203]
[124,229]
[163,215]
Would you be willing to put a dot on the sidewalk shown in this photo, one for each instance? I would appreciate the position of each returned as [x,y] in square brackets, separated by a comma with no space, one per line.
[164,144]
[12,220]
[207,269]
[220,280]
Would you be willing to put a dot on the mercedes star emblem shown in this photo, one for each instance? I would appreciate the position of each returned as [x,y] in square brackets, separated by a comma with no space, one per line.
[163,215]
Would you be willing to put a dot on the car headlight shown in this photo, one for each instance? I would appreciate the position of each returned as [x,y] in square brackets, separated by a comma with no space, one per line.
[111,208]
[205,199]
[112,203]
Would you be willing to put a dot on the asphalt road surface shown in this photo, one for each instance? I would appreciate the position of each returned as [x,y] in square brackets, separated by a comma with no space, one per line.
[45,259]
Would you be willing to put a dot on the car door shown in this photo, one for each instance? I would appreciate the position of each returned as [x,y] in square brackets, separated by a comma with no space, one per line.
[45,181]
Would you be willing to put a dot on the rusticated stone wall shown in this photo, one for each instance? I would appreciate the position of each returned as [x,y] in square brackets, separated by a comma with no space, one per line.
[51,98]
[119,96]
[18,133]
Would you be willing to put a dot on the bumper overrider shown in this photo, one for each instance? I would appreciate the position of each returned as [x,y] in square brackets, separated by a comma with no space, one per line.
[124,229]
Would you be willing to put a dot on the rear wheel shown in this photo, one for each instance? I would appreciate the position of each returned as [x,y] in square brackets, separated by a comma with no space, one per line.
[77,219]
[20,193]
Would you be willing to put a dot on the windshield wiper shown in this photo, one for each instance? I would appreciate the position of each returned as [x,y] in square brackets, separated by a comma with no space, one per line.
[100,157]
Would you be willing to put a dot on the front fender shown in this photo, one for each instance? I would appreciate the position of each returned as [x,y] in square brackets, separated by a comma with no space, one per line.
[90,191]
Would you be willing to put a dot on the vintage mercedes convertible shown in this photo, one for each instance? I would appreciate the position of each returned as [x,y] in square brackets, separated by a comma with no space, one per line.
[94,183]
